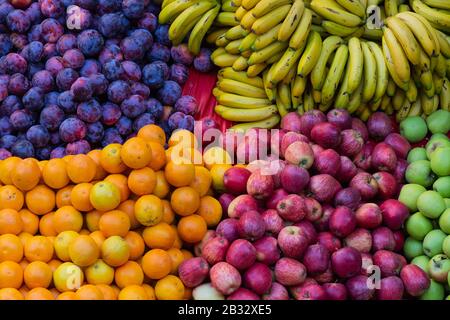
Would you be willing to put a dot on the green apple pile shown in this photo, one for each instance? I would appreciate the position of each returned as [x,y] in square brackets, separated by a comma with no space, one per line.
[427,195]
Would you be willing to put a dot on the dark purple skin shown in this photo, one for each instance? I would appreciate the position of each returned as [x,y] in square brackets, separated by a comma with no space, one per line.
[360,239]
[326,134]
[363,159]
[90,67]
[292,208]
[241,254]
[9,105]
[316,258]
[349,197]
[65,78]
[140,89]
[77,147]
[214,250]
[309,119]
[391,288]
[181,54]
[4,154]
[72,129]
[357,288]
[202,62]
[258,278]
[335,291]
[400,145]
[311,292]
[415,280]
[18,84]
[368,216]
[328,162]
[366,184]
[82,89]
[193,271]
[169,93]
[324,187]
[54,65]
[179,73]
[347,170]
[38,136]
[399,238]
[58,152]
[23,149]
[267,251]
[148,21]
[323,223]
[187,105]
[228,229]
[390,263]
[66,42]
[360,126]
[400,169]
[384,157]
[243,294]
[307,228]
[351,142]
[225,200]
[89,111]
[133,106]
[272,221]
[276,292]
[251,226]
[290,272]
[342,221]
[383,238]
[379,125]
[346,262]
[73,58]
[118,91]
[340,117]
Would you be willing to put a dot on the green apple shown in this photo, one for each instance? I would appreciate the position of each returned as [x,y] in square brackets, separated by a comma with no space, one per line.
[446,246]
[438,268]
[414,129]
[444,221]
[421,262]
[432,243]
[438,136]
[418,226]
[431,204]
[417,154]
[440,161]
[439,121]
[434,292]
[435,144]
[420,172]
[412,248]
[409,194]
[442,185]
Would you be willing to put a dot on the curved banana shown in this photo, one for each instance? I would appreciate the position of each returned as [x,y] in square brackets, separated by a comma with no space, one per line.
[391,87]
[391,67]
[282,109]
[311,54]
[370,73]
[165,3]
[329,45]
[439,4]
[268,88]
[267,38]
[444,43]
[403,112]
[236,3]
[238,101]
[437,16]
[249,4]
[235,33]
[298,87]
[338,29]
[438,82]
[382,72]
[240,64]
[212,37]
[391,7]
[416,109]
[256,69]
[268,123]
[444,97]
[227,6]
[404,8]
[399,59]
[200,29]
[441,67]
[225,60]
[233,46]
[372,34]
[291,21]
[275,58]
[264,54]
[173,9]
[398,99]
[412,92]
[270,20]
[332,11]
[266,6]
[429,92]
[303,28]
[287,62]
[229,73]
[222,41]
[427,104]
[247,21]
[284,94]
[334,75]
[245,115]
[405,37]
[354,6]
[343,98]
[247,42]
[355,99]
[240,13]
[375,105]
[426,79]
[308,101]
[385,102]
[292,73]
[356,63]
[226,19]
[241,88]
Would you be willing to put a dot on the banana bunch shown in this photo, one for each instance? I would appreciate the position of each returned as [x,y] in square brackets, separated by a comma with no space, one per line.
[437,12]
[189,16]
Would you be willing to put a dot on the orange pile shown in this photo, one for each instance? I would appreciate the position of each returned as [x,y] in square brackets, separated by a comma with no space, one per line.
[112,224]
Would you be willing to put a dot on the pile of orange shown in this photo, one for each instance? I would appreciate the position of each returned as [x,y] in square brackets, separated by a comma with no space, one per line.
[112,224]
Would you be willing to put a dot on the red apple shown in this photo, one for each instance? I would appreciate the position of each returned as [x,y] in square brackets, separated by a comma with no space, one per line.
[323,187]
[292,208]
[277,195]
[340,117]
[368,216]
[258,278]
[243,294]
[347,170]
[311,292]
[415,280]
[316,258]
[326,134]
[342,222]
[294,178]
[359,125]
[316,149]
[275,141]
[276,292]
[399,238]
[335,291]
[272,221]
[328,162]
[383,238]
[309,119]
[225,278]
[326,276]
[215,249]
[346,262]
[199,246]
[228,229]
[379,126]
[241,204]
[400,145]
[391,288]
[367,264]
[292,241]
[300,154]
[251,226]
[363,159]
[351,142]
[390,263]
[235,180]
[313,209]
[308,230]
[225,200]
[400,169]
[193,271]
[329,241]
[394,213]
[260,185]
[267,251]
[387,185]
[384,157]
[291,122]
[323,223]
[358,289]
[360,239]
[365,184]
[349,197]
[289,138]
[241,254]
[289,272]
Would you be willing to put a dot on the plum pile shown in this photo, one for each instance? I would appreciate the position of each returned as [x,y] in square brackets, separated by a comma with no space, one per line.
[80,74]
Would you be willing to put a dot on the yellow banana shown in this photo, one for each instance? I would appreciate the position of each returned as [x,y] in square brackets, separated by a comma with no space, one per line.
[256,69]
[212,37]
[397,58]
[247,21]
[229,73]
[354,6]
[263,124]
[431,30]
[431,91]
[282,109]
[235,33]
[437,16]
[238,101]
[247,42]
[173,9]
[444,97]
[406,38]
[370,73]
[291,21]
[236,3]
[226,19]
[404,8]
[426,79]
[165,3]
[403,112]
[398,99]
[391,7]
[343,97]
[438,82]
[302,31]
[266,6]
[329,45]
[227,6]
[411,93]
[233,46]
[385,102]
[200,29]
[270,20]
[356,62]
[268,88]
[439,4]
[287,62]
[217,52]
[308,101]
[332,11]
[375,105]
[275,58]
[241,88]
[222,41]
[335,74]
[444,43]
[338,29]
[249,4]
[290,76]
[416,109]
[240,13]
[311,54]
[382,72]
[317,96]
[355,99]
[284,92]
[240,64]
[225,60]
[180,26]
[427,104]
[264,54]
[246,115]
[441,67]
[299,86]
[267,38]
[391,87]
[372,34]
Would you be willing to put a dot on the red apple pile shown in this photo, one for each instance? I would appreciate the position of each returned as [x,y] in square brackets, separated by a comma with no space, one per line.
[317,225]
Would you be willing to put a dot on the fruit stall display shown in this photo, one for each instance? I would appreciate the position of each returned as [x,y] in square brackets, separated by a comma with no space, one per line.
[105,192]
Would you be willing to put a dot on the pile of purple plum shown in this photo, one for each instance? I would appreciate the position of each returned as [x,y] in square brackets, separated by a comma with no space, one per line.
[80,74]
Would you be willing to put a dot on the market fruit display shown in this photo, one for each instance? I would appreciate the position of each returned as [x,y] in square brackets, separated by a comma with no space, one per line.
[427,197]
[113,224]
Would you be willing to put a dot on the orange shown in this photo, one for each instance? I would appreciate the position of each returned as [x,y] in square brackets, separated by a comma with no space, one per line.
[216,155]
[10,294]
[108,292]
[110,158]
[67,296]
[68,277]
[169,288]
[211,210]
[11,275]
[39,294]
[152,133]
[217,172]
[105,196]
[121,182]
[99,273]
[178,243]
[202,181]
[89,292]
[192,228]
[136,245]
[185,201]
[26,174]
[156,264]
[115,251]
[183,138]
[47,225]
[37,274]
[187,294]
[148,210]
[68,157]
[55,174]
[168,214]
[40,200]
[194,155]
[129,274]
[38,248]
[85,232]
[10,221]
[24,236]
[177,258]
[158,156]
[92,219]
[100,173]
[63,196]
[142,181]
[180,174]
[42,165]
[62,243]
[187,254]
[80,197]
[11,198]
[136,153]
[160,236]
[162,187]
[67,218]
[98,237]
[6,167]
[11,248]
[54,264]
[83,251]
[81,168]
[30,221]
[128,207]
[133,292]
[150,291]
[114,223]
